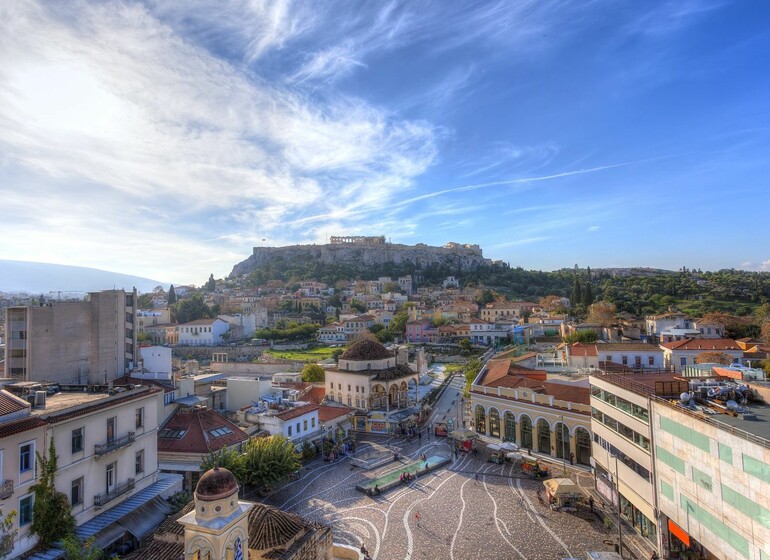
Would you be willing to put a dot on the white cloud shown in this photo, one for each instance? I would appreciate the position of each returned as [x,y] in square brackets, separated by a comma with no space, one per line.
[112,110]
[593,228]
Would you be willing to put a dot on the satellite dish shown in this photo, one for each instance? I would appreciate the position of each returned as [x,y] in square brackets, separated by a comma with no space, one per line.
[731,405]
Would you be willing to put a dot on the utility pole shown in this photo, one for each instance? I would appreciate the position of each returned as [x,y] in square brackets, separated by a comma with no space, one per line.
[563,449]
[620,526]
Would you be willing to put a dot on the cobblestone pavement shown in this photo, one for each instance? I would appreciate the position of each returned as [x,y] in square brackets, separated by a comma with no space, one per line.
[500,515]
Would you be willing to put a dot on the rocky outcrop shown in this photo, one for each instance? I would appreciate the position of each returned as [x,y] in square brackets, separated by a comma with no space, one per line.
[458,258]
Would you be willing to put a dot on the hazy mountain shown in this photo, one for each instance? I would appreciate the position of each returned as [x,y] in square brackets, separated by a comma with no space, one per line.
[42,278]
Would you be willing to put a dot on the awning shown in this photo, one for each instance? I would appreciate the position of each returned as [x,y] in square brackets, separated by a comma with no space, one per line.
[463,434]
[679,533]
[138,522]
[178,466]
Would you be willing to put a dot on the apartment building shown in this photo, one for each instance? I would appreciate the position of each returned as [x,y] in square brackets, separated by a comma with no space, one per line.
[713,476]
[79,342]
[106,444]
[622,452]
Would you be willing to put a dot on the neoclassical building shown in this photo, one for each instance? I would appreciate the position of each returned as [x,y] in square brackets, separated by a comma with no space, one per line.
[369,377]
[517,404]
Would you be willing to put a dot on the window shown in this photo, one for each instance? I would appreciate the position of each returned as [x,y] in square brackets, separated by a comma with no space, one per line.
[289,431]
[168,398]
[356,388]
[683,361]
[77,440]
[76,494]
[624,360]
[339,386]
[110,477]
[168,433]
[349,400]
[304,425]
[139,417]
[25,510]
[298,430]
[27,457]
[312,422]
[221,431]
[348,388]
[139,462]
[111,428]
[651,360]
[609,357]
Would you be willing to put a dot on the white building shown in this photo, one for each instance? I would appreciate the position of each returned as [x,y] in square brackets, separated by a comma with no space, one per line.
[245,321]
[202,332]
[244,391]
[683,353]
[631,354]
[156,360]
[297,424]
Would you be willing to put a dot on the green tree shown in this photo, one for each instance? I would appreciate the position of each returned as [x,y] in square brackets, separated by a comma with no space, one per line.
[313,373]
[75,549]
[466,347]
[191,309]
[485,297]
[472,370]
[577,294]
[337,352]
[397,324]
[228,458]
[389,287]
[358,306]
[7,534]
[585,337]
[588,294]
[145,301]
[269,460]
[51,516]
[211,284]
[171,296]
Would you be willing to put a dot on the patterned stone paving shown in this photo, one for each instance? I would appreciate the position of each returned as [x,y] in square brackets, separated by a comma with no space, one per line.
[500,515]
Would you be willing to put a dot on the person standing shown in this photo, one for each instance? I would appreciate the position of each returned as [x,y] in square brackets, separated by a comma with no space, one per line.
[591,503]
[417,517]
[571,458]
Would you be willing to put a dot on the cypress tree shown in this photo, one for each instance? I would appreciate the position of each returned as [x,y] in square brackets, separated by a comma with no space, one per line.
[171,295]
[588,295]
[577,294]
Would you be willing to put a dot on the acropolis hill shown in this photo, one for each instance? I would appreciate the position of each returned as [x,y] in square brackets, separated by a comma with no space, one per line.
[361,252]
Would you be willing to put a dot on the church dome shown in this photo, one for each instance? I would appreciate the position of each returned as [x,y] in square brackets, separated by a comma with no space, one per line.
[216,484]
[365,350]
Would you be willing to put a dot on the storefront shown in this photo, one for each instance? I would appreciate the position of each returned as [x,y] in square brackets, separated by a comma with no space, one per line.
[635,517]
[680,544]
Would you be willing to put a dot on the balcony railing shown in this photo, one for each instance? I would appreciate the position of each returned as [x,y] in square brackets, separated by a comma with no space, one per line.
[6,489]
[101,449]
[120,489]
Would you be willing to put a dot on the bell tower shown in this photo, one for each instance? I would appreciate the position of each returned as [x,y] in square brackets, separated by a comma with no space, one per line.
[218,527]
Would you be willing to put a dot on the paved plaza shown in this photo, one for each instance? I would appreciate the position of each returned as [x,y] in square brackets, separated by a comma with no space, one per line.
[500,515]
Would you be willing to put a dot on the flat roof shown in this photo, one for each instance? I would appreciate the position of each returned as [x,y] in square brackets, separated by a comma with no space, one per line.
[759,427]
[60,401]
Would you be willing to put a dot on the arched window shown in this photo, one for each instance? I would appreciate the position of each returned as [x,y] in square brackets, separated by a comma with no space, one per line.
[494,423]
[582,446]
[562,441]
[510,427]
[481,420]
[543,436]
[526,432]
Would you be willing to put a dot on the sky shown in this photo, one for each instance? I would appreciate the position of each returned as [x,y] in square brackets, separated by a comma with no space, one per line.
[166,139]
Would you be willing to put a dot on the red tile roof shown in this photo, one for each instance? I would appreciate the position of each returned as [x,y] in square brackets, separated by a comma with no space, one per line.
[10,403]
[703,344]
[21,425]
[559,391]
[197,425]
[579,350]
[316,395]
[296,411]
[326,413]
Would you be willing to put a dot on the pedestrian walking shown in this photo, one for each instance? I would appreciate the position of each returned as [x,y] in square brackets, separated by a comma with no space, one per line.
[419,435]
[417,517]
[591,503]
[571,458]
[476,479]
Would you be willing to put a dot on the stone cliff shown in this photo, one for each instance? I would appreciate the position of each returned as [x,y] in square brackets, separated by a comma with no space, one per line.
[457,258]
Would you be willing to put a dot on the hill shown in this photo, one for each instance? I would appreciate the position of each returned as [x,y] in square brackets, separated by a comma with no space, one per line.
[42,278]
[336,261]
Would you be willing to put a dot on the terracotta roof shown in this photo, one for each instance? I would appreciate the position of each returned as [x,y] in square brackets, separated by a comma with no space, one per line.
[559,391]
[580,350]
[365,350]
[270,527]
[630,347]
[326,413]
[496,369]
[208,321]
[10,403]
[190,431]
[316,395]
[296,411]
[22,425]
[703,344]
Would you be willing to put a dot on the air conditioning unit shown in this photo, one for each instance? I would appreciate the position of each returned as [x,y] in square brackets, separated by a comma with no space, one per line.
[40,399]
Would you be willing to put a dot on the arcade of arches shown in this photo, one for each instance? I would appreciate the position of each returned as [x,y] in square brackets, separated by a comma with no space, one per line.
[539,435]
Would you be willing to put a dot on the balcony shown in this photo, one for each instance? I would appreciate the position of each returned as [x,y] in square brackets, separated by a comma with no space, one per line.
[101,449]
[6,489]
[122,488]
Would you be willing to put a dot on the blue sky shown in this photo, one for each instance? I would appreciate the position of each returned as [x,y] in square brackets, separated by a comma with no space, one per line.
[166,139]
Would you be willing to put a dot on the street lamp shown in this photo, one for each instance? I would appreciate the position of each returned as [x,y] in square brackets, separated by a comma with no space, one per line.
[617,492]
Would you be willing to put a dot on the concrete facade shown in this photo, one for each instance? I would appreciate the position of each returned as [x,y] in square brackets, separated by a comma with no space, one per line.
[79,342]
